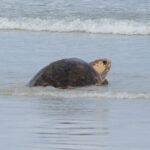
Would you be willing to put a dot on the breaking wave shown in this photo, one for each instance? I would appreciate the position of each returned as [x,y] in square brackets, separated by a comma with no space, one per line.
[103,26]
[67,94]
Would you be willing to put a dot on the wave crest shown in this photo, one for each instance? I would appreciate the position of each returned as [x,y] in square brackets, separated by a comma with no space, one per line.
[103,26]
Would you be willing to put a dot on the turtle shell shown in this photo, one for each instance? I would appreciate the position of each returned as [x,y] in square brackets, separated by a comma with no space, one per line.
[66,73]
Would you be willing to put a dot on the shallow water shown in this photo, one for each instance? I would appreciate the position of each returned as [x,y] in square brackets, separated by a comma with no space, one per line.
[74,124]
[34,34]
[111,117]
[23,54]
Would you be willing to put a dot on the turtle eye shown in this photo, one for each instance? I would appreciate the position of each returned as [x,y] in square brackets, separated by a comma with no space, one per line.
[104,62]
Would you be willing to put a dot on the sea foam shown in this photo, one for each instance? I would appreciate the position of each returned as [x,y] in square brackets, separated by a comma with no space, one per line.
[103,26]
[74,93]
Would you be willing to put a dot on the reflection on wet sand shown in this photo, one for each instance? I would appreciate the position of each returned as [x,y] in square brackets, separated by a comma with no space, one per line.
[73,124]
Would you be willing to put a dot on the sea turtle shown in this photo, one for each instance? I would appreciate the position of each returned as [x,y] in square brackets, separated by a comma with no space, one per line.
[72,72]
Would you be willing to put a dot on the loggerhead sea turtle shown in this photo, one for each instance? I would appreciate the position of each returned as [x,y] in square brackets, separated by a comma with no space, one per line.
[72,72]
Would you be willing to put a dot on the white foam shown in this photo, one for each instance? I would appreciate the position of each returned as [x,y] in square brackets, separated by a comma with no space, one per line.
[66,94]
[104,26]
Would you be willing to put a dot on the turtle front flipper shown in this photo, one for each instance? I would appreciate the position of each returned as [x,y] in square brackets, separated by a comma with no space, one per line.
[103,82]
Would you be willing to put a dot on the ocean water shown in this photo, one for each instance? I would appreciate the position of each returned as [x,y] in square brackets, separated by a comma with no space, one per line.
[36,33]
[101,16]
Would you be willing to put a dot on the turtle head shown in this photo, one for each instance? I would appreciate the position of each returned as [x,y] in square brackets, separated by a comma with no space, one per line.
[102,66]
